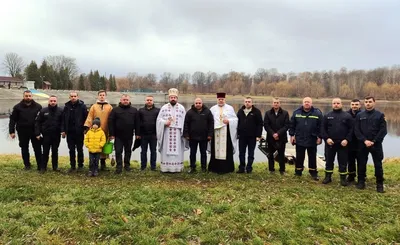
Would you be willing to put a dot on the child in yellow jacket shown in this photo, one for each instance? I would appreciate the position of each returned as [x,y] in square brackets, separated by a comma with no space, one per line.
[95,139]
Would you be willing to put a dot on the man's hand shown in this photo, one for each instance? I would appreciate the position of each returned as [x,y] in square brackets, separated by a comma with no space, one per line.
[209,138]
[293,140]
[226,121]
[112,137]
[329,141]
[12,136]
[187,137]
[168,123]
[344,143]
[38,137]
[319,141]
[258,138]
[63,134]
[138,137]
[368,143]
[275,136]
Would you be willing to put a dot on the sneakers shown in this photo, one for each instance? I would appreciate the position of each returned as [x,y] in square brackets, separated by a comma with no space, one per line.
[360,185]
[240,171]
[118,171]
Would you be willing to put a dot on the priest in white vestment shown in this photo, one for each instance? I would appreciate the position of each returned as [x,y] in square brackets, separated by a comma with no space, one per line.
[224,142]
[170,140]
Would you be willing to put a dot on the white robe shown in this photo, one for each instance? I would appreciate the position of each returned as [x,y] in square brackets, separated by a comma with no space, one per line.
[171,143]
[220,130]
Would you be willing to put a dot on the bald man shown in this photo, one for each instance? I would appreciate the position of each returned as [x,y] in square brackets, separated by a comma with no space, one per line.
[305,133]
[337,132]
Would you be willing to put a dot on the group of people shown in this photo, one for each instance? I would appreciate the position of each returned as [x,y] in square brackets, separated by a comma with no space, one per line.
[352,135]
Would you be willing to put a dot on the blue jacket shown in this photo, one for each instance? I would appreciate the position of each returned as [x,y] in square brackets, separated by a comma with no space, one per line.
[306,126]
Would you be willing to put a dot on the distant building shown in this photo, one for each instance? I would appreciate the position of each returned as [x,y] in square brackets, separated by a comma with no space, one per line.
[11,82]
[29,84]
[46,85]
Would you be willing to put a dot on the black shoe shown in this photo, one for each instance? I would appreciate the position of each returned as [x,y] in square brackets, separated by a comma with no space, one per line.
[350,178]
[203,169]
[90,174]
[282,172]
[103,165]
[315,177]
[249,171]
[298,174]
[42,171]
[240,171]
[80,168]
[153,169]
[56,170]
[127,168]
[379,188]
[118,171]
[143,169]
[192,171]
[343,180]
[72,170]
[360,185]
[27,167]
[272,171]
[327,180]
[95,173]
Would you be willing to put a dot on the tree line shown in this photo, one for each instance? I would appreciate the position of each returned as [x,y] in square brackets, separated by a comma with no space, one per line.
[62,73]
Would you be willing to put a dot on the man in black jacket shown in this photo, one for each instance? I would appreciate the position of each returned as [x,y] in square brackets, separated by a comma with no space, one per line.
[148,135]
[250,126]
[198,129]
[75,113]
[123,123]
[22,119]
[370,130]
[305,133]
[276,123]
[49,124]
[353,155]
[337,131]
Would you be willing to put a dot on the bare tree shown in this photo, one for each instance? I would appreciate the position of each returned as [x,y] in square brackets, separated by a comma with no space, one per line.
[13,64]
[61,62]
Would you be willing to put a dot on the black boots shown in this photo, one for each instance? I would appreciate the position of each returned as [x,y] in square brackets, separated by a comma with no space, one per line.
[379,187]
[103,165]
[351,178]
[343,180]
[328,178]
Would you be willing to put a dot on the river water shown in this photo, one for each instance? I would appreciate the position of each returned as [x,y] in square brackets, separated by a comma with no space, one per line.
[390,144]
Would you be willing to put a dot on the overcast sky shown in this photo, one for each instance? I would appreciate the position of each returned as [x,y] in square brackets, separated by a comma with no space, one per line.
[154,36]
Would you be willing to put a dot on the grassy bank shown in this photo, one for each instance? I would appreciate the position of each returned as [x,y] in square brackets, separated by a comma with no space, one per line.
[154,208]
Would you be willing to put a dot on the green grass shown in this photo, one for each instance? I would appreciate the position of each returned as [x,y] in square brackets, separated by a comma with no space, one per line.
[153,208]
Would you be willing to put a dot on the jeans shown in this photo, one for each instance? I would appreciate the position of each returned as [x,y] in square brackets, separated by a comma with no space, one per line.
[94,161]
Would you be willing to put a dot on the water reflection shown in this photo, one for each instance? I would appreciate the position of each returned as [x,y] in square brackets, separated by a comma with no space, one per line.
[391,110]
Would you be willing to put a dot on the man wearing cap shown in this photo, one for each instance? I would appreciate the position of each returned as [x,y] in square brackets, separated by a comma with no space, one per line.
[223,143]
[171,143]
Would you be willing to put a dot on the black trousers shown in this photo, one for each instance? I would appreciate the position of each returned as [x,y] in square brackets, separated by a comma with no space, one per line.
[353,156]
[342,154]
[281,147]
[250,144]
[146,141]
[75,140]
[312,159]
[377,156]
[123,145]
[51,141]
[24,137]
[203,152]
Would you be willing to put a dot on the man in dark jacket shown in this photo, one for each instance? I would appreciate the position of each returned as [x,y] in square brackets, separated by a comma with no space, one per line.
[370,130]
[337,131]
[75,113]
[353,144]
[276,123]
[250,126]
[49,124]
[305,133]
[148,135]
[23,118]
[123,123]
[198,129]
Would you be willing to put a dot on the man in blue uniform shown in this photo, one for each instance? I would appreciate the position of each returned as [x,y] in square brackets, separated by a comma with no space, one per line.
[370,130]
[337,131]
[305,133]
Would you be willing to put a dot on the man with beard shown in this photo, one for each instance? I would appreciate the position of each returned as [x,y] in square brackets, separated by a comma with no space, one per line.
[123,123]
[102,110]
[75,113]
[370,130]
[223,144]
[199,127]
[353,144]
[337,131]
[148,134]
[171,143]
[22,119]
[305,133]
[49,124]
